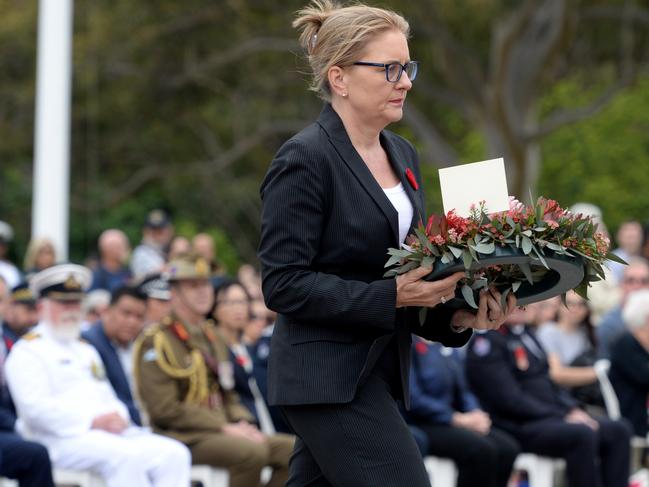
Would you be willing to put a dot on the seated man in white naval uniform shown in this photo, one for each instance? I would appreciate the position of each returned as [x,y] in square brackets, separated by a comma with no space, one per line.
[64,400]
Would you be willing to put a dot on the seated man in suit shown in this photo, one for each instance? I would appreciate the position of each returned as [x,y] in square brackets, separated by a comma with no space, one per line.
[113,336]
[508,371]
[64,401]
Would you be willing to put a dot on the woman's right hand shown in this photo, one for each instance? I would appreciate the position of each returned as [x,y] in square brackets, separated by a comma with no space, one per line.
[412,290]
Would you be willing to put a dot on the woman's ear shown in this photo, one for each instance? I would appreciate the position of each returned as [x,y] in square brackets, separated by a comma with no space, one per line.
[337,81]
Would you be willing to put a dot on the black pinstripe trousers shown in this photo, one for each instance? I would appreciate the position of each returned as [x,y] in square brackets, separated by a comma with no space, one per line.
[363,443]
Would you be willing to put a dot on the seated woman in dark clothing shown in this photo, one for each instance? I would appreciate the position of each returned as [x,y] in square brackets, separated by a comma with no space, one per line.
[232,313]
[629,372]
[444,408]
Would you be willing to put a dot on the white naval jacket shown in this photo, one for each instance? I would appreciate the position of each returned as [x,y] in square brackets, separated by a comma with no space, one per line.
[58,388]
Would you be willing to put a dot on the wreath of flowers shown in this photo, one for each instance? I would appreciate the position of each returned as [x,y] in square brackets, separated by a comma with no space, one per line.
[537,230]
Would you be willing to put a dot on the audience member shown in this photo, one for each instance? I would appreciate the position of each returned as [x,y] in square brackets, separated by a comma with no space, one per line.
[20,315]
[629,372]
[629,240]
[63,399]
[179,246]
[8,270]
[254,328]
[603,295]
[259,351]
[40,255]
[112,271]
[149,257]
[443,407]
[158,295]
[113,337]
[185,380]
[645,242]
[571,350]
[232,313]
[4,301]
[250,279]
[93,306]
[635,276]
[25,461]
[509,373]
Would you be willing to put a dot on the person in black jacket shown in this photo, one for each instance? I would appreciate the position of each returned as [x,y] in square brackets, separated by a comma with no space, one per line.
[629,372]
[508,371]
[335,198]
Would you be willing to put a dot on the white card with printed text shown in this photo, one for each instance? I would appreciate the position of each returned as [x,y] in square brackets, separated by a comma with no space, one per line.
[469,184]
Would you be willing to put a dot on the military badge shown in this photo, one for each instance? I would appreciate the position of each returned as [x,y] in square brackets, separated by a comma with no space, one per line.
[98,371]
[71,283]
[150,355]
[481,346]
[202,268]
[520,356]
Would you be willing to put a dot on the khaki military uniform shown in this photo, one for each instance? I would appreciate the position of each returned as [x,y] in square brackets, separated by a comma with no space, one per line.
[185,381]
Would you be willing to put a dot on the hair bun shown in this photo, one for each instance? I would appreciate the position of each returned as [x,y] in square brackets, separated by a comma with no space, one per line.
[310,19]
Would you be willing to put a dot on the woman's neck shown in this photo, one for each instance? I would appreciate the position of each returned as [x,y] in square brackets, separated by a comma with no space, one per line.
[230,335]
[362,135]
[568,326]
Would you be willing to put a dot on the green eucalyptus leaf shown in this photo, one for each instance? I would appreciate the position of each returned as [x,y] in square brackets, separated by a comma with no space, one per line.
[423,311]
[395,259]
[527,245]
[467,294]
[616,258]
[527,271]
[467,258]
[485,248]
[457,252]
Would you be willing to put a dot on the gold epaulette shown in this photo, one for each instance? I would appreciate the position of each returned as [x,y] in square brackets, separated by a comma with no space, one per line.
[30,335]
[163,355]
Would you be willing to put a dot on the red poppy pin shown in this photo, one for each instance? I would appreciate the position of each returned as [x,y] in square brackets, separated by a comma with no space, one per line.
[411,179]
[421,348]
[520,356]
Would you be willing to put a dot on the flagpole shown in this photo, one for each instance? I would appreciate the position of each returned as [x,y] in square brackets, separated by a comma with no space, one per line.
[50,205]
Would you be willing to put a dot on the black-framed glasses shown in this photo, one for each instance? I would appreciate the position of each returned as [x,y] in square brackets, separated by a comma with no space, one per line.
[393,71]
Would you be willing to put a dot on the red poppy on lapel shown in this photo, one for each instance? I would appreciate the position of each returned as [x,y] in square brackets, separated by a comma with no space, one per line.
[411,179]
[421,348]
[520,356]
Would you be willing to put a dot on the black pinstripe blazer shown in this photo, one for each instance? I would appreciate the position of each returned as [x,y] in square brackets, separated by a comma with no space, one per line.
[326,225]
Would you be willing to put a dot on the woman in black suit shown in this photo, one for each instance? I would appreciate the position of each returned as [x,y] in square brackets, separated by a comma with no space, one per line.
[336,196]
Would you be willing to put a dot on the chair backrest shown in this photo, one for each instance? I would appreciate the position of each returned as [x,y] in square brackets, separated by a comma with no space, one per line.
[608,392]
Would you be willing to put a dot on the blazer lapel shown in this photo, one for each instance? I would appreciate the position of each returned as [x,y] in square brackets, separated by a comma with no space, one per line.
[332,124]
[400,164]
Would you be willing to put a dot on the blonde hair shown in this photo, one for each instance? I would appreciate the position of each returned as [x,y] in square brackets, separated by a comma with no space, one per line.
[333,35]
[33,249]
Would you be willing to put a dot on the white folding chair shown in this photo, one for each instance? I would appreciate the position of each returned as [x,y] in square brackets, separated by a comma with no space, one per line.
[80,478]
[442,472]
[210,476]
[540,470]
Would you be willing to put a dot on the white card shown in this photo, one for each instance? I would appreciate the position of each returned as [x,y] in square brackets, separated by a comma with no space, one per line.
[469,184]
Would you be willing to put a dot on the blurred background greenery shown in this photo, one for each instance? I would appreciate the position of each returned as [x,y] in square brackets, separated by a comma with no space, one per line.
[182,105]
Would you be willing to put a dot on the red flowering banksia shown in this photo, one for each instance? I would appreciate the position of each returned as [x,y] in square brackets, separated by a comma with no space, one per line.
[538,231]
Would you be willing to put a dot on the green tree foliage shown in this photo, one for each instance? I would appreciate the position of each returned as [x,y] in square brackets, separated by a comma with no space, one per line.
[183,104]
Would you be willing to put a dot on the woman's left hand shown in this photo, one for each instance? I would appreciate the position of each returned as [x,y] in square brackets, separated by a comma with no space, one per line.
[490,314]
